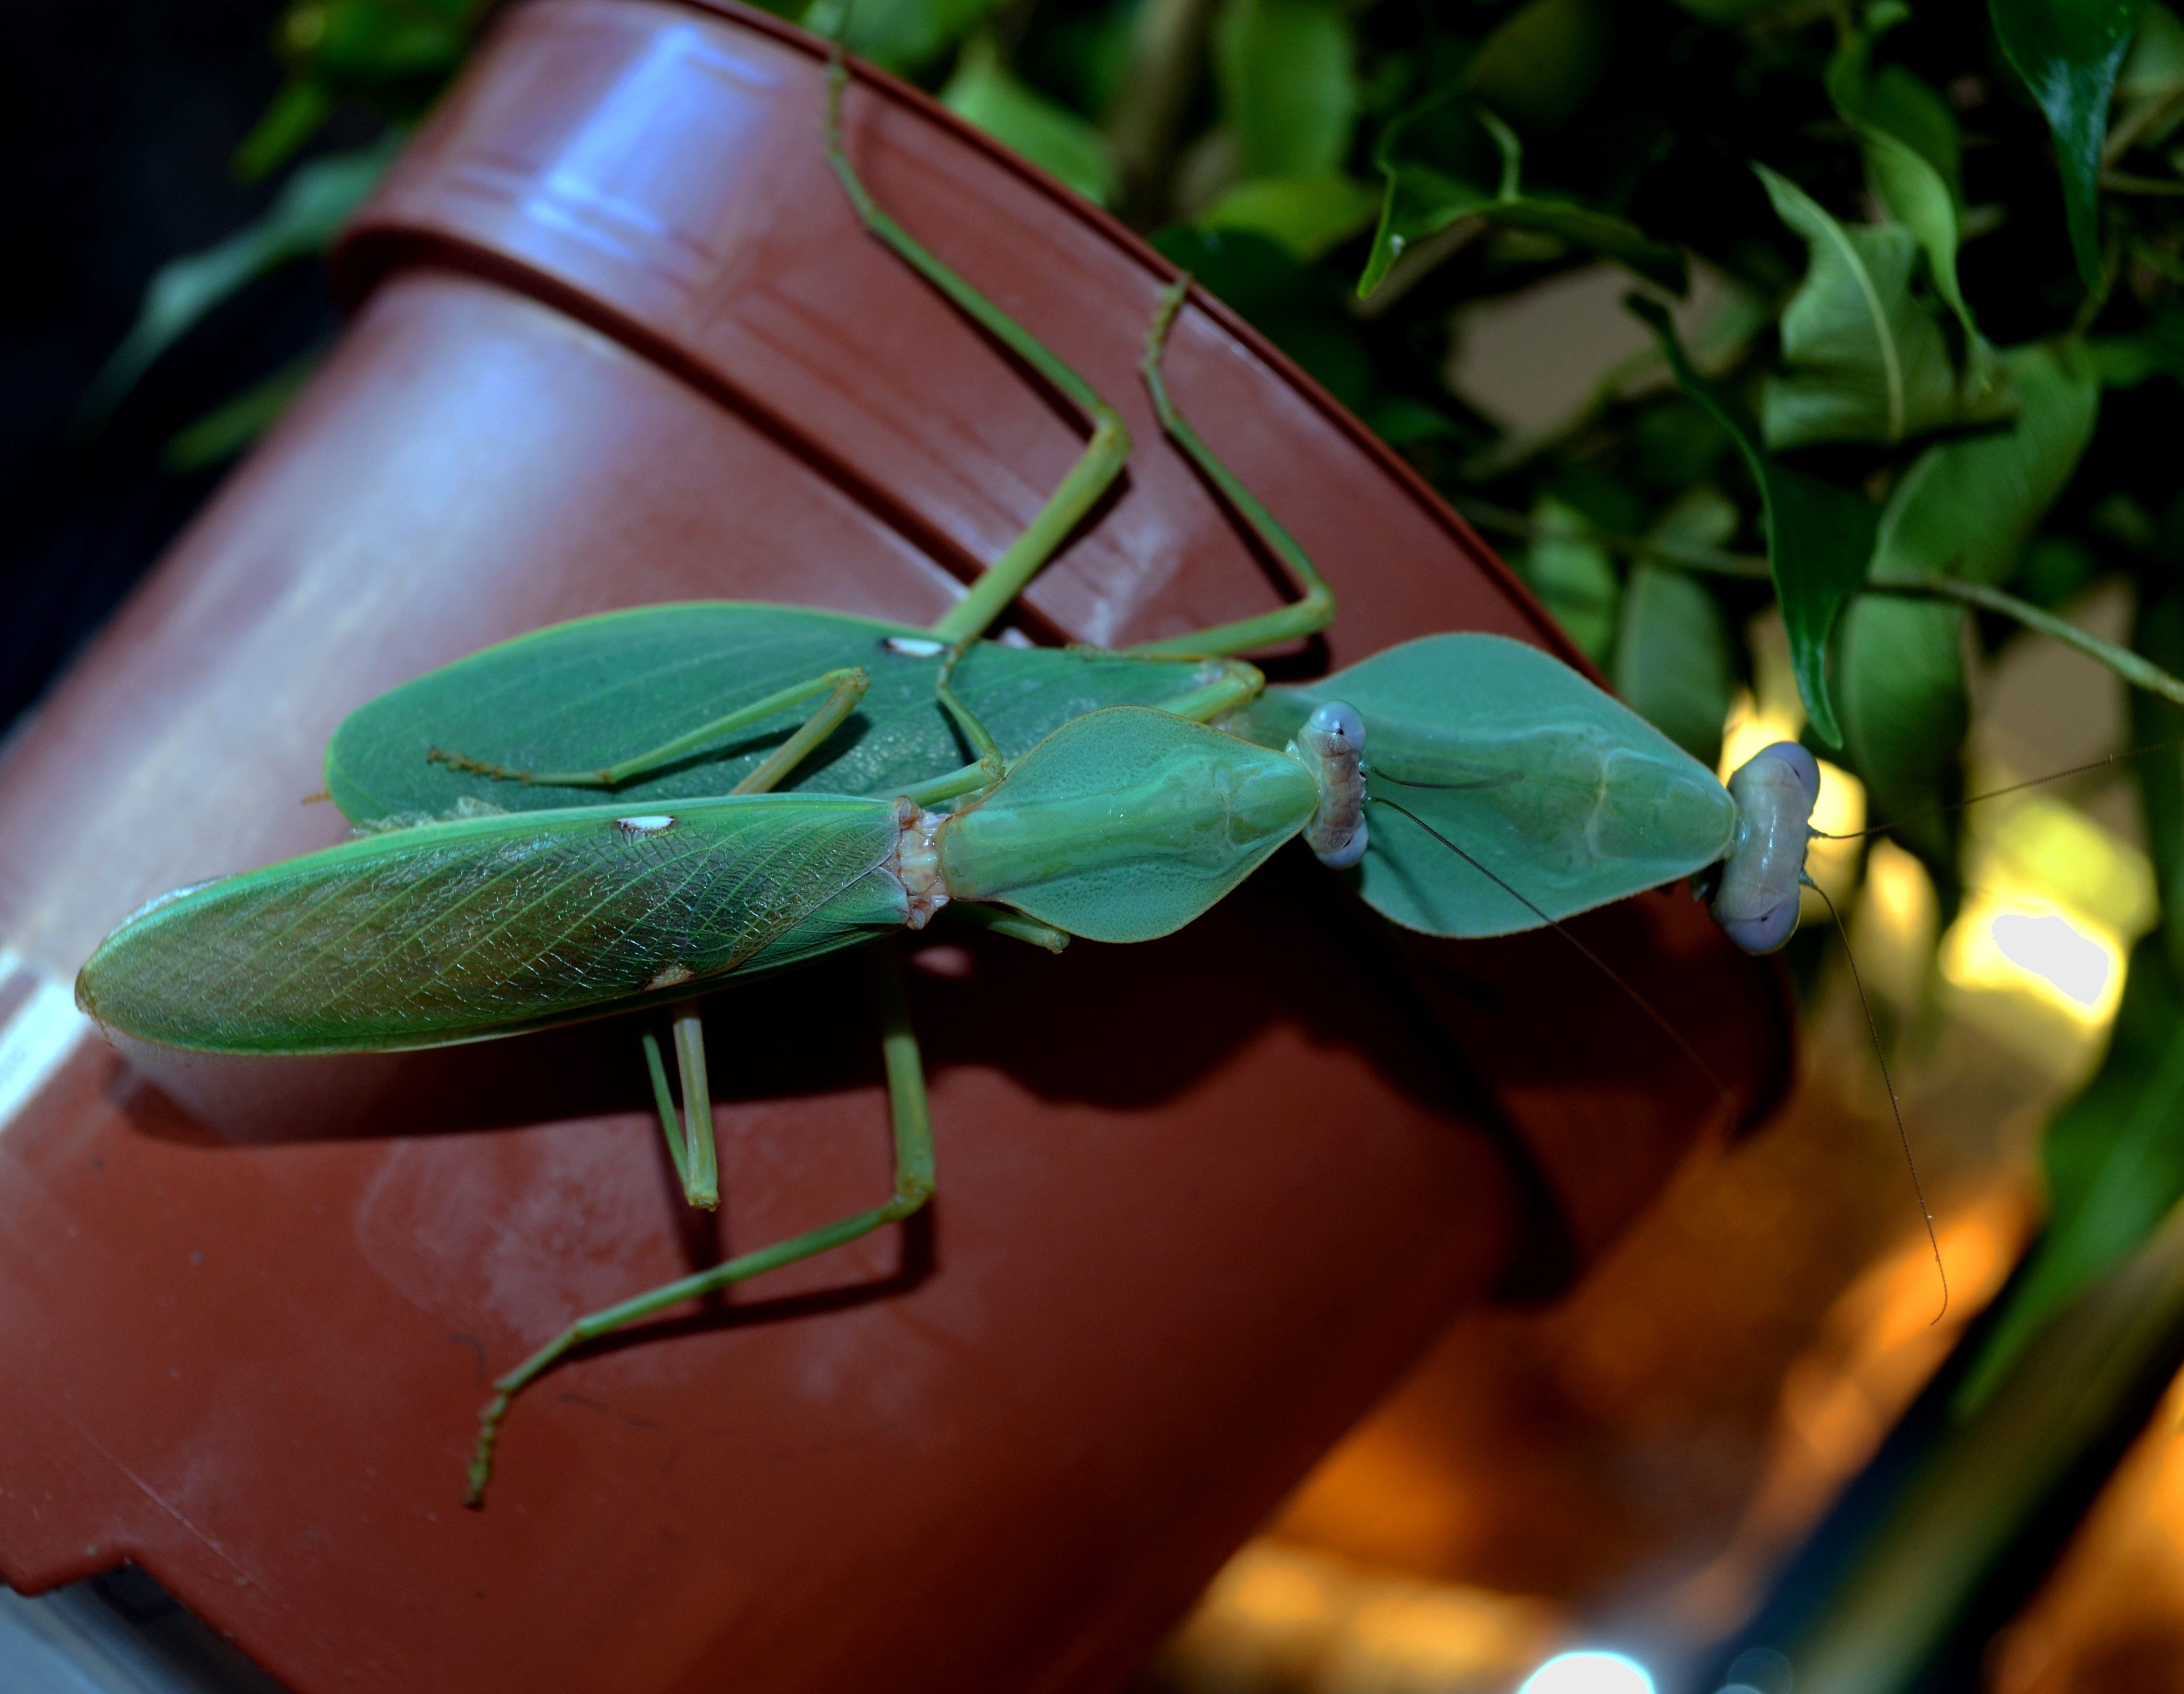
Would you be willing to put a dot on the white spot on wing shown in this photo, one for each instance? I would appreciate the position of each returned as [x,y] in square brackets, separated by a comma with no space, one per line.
[651,823]
[915,646]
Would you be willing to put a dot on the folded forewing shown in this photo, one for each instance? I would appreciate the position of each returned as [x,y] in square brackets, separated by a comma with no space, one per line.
[453,932]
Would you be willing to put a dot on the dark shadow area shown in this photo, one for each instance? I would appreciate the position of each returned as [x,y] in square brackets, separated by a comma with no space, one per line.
[120,123]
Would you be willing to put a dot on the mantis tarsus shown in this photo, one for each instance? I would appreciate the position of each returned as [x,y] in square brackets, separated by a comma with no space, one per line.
[1118,822]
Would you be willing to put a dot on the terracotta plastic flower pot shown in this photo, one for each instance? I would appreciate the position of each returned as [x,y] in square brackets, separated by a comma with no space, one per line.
[618,339]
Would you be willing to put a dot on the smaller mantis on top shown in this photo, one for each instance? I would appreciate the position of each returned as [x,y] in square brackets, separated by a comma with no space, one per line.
[1113,797]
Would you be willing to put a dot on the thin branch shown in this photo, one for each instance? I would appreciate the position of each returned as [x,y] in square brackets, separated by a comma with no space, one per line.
[2141,120]
[2137,672]
[1168,45]
[2116,182]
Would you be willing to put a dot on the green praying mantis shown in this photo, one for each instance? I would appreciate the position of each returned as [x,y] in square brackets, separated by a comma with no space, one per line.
[1043,793]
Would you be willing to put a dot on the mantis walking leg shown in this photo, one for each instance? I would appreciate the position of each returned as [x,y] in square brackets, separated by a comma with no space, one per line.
[1105,451]
[697,1162]
[913,1187]
[690,1147]
[1305,616]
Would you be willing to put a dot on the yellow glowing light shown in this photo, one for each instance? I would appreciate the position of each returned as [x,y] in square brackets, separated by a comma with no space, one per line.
[2013,938]
[2058,849]
[1747,729]
[1897,920]
[1901,894]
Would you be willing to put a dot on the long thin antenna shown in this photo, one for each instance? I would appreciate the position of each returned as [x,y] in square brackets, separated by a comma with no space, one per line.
[2101,763]
[1598,963]
[1895,1105]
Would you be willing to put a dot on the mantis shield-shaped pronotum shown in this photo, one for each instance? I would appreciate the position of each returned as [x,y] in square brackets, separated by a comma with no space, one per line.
[740,836]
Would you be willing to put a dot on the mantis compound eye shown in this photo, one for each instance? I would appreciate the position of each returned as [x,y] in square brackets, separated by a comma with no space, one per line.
[1331,745]
[1774,791]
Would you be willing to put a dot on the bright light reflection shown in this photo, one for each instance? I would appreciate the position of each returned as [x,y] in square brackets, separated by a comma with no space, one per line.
[1589,1673]
[2029,945]
[1748,730]
[2050,946]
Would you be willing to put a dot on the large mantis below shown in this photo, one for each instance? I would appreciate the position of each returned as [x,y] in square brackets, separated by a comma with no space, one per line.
[1470,784]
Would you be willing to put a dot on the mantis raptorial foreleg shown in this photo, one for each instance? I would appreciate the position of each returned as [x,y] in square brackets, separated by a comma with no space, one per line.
[913,1187]
[844,688]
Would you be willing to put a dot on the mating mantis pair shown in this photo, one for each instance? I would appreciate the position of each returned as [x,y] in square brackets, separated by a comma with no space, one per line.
[1470,784]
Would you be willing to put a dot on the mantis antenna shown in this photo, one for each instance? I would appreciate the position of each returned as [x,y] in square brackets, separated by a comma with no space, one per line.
[2101,764]
[1895,1105]
[1598,963]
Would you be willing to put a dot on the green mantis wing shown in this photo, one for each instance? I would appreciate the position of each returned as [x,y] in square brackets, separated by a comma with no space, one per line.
[585,695]
[1556,788]
[1125,824]
[457,932]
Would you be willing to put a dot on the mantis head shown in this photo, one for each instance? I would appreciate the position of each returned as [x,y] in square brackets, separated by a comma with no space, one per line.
[1756,900]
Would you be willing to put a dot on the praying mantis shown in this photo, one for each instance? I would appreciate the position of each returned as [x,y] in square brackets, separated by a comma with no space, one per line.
[1043,793]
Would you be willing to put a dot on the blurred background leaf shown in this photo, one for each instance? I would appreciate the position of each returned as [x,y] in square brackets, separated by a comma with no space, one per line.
[2069,52]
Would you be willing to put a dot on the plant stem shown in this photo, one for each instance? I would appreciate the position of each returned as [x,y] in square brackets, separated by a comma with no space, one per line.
[1166,47]
[2116,182]
[2126,664]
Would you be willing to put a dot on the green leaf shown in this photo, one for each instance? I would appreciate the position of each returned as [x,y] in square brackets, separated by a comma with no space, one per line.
[233,424]
[1306,214]
[1819,537]
[1909,140]
[1286,69]
[902,35]
[1967,507]
[983,92]
[1400,421]
[1900,682]
[303,219]
[2147,84]
[1573,577]
[1726,13]
[2067,51]
[2158,633]
[2124,361]
[1866,361]
[2114,1159]
[1543,60]
[1420,200]
[1672,659]
[293,119]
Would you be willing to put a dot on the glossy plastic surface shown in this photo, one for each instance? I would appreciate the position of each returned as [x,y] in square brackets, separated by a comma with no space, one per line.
[619,340]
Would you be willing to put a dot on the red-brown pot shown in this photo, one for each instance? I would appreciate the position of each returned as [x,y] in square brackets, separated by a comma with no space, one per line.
[618,340]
